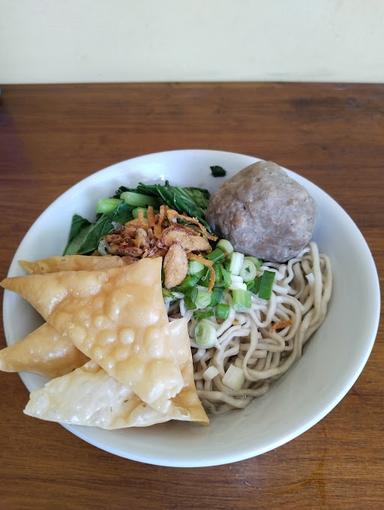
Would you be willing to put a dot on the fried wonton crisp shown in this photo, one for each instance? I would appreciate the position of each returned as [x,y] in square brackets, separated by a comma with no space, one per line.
[71,263]
[44,352]
[89,396]
[117,318]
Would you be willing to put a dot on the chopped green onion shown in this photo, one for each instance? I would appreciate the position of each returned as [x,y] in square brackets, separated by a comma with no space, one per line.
[204,279]
[234,378]
[226,277]
[222,311]
[216,255]
[258,263]
[266,284]
[135,212]
[137,199]
[254,285]
[237,282]
[197,298]
[203,298]
[241,299]
[190,298]
[225,246]
[248,270]
[216,295]
[210,373]
[203,314]
[219,275]
[205,333]
[188,282]
[236,263]
[107,205]
[195,267]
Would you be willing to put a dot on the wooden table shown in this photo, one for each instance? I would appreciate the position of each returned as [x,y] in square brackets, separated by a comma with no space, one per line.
[52,136]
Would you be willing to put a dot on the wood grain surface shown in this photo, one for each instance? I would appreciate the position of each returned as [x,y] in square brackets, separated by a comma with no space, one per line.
[333,134]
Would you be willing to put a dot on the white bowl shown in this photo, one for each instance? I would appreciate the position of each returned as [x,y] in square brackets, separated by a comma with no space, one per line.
[332,360]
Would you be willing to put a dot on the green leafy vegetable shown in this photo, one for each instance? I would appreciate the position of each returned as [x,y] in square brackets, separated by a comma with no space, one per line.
[87,237]
[138,199]
[78,225]
[190,201]
[106,205]
[218,171]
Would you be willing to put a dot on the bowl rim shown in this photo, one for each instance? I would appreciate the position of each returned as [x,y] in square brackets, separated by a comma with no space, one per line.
[284,438]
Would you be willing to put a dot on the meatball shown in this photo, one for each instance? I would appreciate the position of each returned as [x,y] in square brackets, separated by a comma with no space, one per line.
[263,212]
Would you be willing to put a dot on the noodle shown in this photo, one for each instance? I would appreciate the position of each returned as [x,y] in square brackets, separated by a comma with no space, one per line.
[250,341]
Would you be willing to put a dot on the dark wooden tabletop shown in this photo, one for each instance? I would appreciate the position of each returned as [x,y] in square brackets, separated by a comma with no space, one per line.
[52,136]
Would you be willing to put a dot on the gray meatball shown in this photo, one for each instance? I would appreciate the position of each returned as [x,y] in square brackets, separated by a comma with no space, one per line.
[263,212]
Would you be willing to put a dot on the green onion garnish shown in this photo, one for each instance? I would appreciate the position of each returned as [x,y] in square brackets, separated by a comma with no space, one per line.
[107,205]
[190,298]
[236,263]
[197,298]
[135,212]
[219,275]
[237,282]
[205,333]
[266,284]
[258,263]
[188,282]
[222,311]
[254,285]
[226,277]
[195,267]
[204,279]
[248,270]
[225,246]
[216,255]
[241,299]
[216,295]
[137,199]
[203,314]
[203,298]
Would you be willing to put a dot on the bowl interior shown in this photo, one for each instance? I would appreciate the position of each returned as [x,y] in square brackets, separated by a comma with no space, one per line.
[332,360]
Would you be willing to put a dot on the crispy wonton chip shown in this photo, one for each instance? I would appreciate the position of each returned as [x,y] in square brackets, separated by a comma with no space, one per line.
[72,263]
[117,318]
[89,396]
[44,352]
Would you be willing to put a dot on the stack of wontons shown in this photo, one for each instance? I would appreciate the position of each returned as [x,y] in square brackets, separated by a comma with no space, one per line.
[115,359]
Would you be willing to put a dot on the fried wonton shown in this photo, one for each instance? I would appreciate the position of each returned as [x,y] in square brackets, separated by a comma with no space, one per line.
[89,396]
[72,263]
[117,318]
[44,352]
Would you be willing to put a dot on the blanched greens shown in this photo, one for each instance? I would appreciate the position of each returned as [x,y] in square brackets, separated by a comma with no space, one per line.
[84,236]
[190,201]
[218,171]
